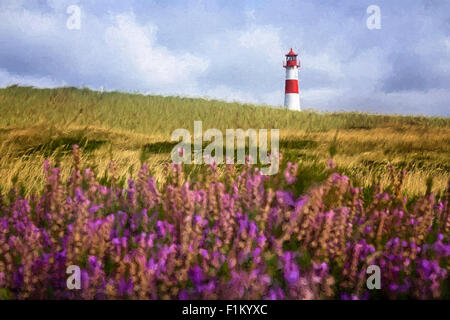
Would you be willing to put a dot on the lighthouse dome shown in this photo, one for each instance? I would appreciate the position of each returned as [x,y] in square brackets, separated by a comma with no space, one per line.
[291,53]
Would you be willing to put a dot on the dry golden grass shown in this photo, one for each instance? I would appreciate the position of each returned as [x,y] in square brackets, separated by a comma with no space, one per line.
[132,129]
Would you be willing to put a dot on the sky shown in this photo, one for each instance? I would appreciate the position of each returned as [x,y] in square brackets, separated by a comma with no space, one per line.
[233,50]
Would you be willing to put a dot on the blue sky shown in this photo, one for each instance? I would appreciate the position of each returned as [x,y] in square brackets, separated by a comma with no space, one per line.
[233,50]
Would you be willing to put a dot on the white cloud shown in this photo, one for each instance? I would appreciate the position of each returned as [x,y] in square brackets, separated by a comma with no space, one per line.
[263,39]
[136,48]
[8,79]
[118,53]
[320,98]
[323,62]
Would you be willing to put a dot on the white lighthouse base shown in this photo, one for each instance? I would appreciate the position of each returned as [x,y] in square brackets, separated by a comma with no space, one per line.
[292,101]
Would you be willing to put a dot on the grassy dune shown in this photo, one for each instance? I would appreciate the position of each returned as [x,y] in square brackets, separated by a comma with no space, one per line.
[38,124]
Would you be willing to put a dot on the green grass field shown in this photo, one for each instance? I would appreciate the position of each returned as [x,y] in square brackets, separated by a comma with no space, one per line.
[129,129]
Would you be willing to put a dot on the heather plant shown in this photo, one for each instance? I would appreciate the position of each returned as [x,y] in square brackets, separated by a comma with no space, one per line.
[228,232]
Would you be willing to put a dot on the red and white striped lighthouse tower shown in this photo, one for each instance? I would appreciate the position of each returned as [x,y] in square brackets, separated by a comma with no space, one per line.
[291,93]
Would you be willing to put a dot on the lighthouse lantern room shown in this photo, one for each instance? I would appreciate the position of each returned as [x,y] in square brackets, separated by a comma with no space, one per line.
[291,92]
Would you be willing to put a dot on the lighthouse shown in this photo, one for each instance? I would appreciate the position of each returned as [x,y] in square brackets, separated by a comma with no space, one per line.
[291,93]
